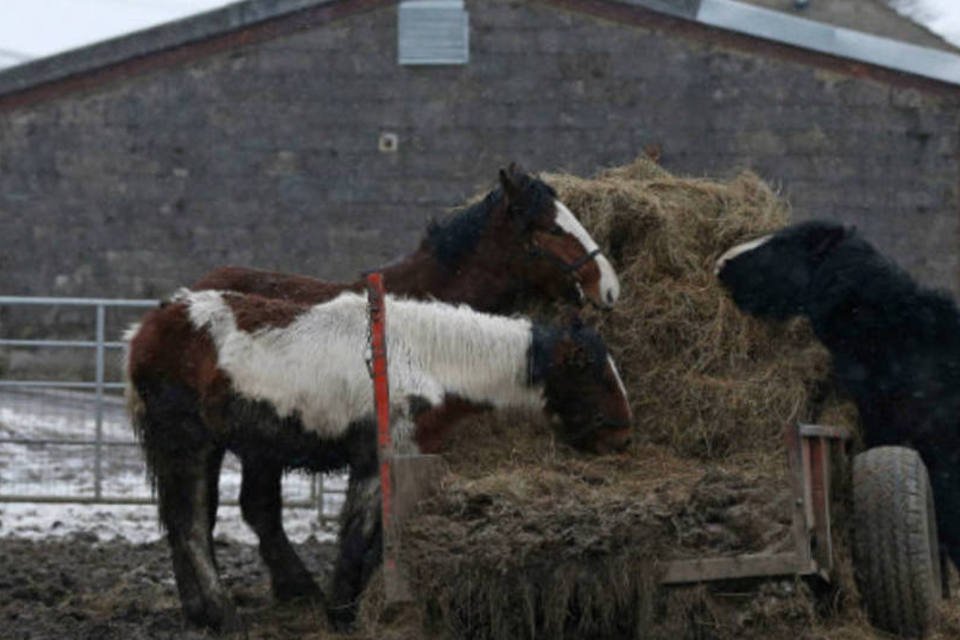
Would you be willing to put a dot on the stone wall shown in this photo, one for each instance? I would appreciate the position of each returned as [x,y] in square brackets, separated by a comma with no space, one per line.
[267,154]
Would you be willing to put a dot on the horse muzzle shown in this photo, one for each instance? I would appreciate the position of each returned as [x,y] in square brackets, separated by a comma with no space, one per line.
[613,440]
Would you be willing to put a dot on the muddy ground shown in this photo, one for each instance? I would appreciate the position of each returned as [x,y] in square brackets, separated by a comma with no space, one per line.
[77,588]
[80,589]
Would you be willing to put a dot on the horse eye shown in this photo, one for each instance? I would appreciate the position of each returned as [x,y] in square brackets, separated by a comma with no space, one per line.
[557,230]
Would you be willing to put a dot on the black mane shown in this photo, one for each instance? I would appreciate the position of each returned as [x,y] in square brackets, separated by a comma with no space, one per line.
[544,340]
[455,236]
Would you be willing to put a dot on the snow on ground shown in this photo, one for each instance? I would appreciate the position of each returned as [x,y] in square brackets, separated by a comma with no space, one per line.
[138,523]
[66,470]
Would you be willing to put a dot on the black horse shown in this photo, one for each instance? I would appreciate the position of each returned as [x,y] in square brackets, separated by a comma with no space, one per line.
[895,344]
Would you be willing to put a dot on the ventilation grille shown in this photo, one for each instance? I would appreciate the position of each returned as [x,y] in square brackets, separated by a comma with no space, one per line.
[433,32]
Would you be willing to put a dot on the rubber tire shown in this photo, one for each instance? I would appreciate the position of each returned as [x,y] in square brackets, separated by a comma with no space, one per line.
[896,557]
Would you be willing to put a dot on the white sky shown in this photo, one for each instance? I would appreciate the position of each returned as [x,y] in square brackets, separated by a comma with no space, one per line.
[36,28]
[940,16]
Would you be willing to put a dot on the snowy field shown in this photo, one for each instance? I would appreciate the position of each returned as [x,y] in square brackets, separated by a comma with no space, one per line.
[64,469]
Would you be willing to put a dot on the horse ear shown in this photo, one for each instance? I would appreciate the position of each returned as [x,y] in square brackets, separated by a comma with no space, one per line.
[510,188]
[517,171]
[512,179]
[578,355]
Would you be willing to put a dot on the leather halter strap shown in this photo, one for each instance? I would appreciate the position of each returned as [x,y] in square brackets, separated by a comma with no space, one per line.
[537,252]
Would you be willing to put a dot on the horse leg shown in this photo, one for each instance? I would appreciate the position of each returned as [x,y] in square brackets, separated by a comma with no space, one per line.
[361,547]
[262,505]
[184,496]
[945,482]
[214,462]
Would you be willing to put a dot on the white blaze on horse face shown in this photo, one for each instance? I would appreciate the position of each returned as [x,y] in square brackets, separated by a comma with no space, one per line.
[609,283]
[740,249]
[616,375]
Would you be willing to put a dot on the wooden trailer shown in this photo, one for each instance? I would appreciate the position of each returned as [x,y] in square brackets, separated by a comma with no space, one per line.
[899,570]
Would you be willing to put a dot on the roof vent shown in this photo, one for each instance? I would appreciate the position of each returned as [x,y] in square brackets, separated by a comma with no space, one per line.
[432,32]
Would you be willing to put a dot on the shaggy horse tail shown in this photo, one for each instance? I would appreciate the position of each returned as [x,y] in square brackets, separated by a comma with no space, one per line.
[162,401]
[136,409]
[134,402]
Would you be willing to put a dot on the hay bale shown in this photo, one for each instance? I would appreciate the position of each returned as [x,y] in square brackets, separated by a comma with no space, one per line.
[531,540]
[704,379]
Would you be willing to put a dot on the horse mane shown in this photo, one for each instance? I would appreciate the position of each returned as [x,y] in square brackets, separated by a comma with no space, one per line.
[427,337]
[854,267]
[856,273]
[456,235]
[451,238]
[498,347]
[545,338]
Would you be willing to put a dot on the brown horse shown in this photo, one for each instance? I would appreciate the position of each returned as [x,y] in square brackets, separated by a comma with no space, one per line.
[285,386]
[519,243]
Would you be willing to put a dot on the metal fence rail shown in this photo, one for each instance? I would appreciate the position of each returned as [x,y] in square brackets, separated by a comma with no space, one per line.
[48,427]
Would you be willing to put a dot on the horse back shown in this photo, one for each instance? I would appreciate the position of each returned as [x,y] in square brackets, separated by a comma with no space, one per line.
[167,347]
[272,284]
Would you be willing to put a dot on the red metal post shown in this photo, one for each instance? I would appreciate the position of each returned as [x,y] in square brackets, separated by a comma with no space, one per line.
[381,398]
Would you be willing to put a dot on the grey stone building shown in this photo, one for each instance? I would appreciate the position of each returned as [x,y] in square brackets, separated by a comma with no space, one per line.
[263,133]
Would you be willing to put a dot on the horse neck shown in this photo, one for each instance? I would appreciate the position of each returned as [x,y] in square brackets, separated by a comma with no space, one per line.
[479,279]
[856,300]
[479,357]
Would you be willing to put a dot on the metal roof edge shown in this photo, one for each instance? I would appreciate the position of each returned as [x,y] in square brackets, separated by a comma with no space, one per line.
[676,8]
[727,15]
[145,42]
[825,38]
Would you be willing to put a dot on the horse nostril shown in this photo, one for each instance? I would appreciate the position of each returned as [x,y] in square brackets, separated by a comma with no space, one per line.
[610,298]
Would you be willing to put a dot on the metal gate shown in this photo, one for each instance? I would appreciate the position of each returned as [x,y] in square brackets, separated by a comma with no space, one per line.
[64,433]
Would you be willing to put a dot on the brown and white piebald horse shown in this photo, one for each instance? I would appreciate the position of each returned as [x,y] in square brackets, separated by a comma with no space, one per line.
[519,243]
[286,385]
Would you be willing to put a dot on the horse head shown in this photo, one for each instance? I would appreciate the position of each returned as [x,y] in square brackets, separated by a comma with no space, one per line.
[559,257]
[582,388]
[770,277]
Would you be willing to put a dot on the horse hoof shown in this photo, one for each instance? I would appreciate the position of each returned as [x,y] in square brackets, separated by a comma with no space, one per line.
[305,590]
[342,618]
[231,623]
[224,621]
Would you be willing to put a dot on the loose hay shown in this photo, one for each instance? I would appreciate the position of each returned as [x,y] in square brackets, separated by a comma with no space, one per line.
[704,379]
[530,540]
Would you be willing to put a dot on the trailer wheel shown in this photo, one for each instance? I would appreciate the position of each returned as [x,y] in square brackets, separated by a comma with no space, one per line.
[895,551]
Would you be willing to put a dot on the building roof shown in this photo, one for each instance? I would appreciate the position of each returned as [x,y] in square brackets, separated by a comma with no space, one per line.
[150,41]
[253,20]
[875,17]
[9,57]
[836,41]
